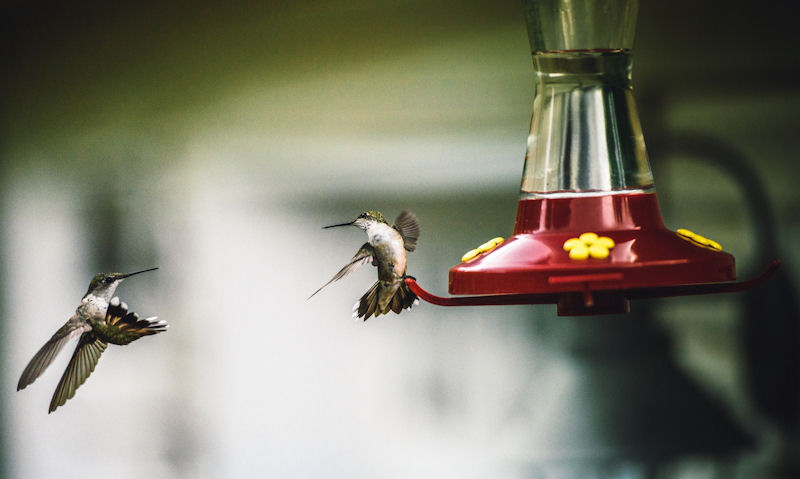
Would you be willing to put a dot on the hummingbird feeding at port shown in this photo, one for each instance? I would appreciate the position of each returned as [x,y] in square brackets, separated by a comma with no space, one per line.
[386,249]
[99,320]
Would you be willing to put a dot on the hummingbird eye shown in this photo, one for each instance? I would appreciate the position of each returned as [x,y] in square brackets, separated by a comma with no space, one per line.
[108,280]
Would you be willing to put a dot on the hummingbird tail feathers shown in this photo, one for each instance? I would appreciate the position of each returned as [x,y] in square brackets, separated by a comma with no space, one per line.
[403,298]
[131,327]
[371,305]
[368,304]
[124,327]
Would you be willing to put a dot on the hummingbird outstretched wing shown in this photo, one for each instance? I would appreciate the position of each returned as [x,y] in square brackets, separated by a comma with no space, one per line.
[80,366]
[42,359]
[363,256]
[408,227]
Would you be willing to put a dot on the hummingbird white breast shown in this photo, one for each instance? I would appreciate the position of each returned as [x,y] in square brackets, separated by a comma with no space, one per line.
[389,249]
[92,307]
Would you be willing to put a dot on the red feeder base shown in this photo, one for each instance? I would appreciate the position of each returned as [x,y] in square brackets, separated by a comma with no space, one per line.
[645,255]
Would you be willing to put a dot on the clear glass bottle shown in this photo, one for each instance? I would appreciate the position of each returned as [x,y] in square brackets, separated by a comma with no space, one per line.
[585,137]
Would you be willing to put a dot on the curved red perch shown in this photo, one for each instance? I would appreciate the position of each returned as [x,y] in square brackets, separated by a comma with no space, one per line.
[632,293]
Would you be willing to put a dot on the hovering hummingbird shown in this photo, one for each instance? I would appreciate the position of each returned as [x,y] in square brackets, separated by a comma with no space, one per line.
[385,249]
[98,320]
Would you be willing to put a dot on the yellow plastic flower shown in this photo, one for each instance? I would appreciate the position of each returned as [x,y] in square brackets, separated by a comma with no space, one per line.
[589,245]
[484,248]
[699,240]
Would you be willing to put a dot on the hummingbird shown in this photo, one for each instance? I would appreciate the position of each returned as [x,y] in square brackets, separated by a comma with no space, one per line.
[98,320]
[386,249]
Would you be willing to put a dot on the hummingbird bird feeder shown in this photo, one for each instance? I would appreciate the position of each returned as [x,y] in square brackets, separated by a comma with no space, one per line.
[588,234]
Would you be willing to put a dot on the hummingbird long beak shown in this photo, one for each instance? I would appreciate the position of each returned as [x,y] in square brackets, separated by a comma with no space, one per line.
[127,275]
[341,224]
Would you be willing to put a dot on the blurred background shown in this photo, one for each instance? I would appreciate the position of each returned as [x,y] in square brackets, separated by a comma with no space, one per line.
[214,140]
